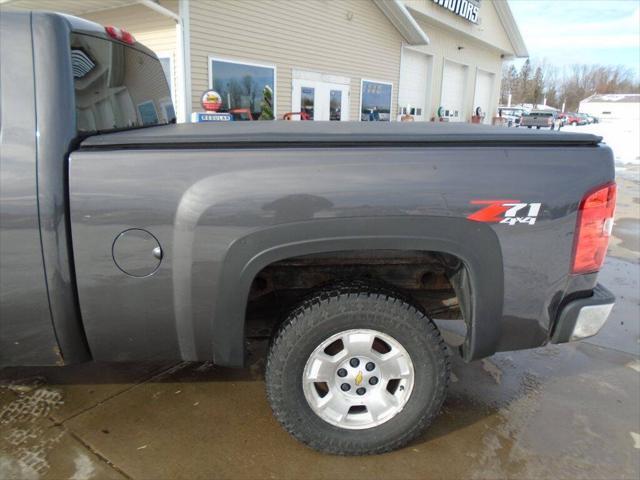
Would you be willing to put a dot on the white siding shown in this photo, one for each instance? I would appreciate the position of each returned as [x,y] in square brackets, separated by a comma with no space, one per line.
[346,38]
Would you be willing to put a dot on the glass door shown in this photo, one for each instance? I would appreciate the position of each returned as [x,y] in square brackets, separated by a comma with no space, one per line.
[338,102]
[315,100]
[307,103]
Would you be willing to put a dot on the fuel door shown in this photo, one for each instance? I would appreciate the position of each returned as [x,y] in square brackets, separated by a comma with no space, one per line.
[137,252]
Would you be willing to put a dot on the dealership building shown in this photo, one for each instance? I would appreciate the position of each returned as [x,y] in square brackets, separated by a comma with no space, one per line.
[322,59]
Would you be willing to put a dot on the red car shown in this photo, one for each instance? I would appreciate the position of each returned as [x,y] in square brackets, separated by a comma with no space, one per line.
[572,118]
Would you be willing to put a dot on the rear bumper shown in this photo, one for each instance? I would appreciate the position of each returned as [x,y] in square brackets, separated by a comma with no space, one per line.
[583,317]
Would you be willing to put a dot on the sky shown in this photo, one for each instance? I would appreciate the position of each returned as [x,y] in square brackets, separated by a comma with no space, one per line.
[581,31]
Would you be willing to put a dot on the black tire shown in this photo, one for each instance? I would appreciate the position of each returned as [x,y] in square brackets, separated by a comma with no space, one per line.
[334,311]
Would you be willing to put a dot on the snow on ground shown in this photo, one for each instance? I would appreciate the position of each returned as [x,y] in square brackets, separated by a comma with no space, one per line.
[622,136]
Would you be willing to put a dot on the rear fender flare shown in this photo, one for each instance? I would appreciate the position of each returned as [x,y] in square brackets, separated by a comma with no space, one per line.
[474,243]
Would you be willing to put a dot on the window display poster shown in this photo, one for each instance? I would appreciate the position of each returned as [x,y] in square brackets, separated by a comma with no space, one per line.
[376,101]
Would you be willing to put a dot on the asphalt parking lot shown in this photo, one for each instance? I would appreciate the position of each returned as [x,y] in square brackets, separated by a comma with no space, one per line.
[569,411]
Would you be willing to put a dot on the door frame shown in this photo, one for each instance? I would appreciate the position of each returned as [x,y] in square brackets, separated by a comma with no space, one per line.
[317,81]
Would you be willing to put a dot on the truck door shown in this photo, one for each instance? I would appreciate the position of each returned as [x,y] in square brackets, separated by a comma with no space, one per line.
[27,336]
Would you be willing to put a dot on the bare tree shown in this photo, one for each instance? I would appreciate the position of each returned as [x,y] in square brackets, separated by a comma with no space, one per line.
[574,84]
[586,80]
[537,87]
[509,83]
[524,81]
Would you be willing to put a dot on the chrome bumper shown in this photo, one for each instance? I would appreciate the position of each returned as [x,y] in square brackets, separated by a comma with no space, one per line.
[583,317]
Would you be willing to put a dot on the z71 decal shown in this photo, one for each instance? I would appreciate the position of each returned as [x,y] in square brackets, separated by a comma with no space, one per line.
[510,212]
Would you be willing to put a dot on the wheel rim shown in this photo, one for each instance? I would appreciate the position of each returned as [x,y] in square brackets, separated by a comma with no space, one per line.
[358,379]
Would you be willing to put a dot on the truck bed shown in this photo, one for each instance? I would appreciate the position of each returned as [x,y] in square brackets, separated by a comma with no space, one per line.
[282,134]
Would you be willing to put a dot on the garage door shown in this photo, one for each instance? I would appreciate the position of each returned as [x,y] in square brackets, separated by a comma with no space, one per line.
[482,96]
[453,90]
[413,83]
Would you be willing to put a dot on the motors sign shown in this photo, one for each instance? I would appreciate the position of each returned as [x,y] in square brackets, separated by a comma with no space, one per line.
[466,9]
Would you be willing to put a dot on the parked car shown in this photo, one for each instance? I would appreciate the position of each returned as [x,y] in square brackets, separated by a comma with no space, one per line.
[539,119]
[575,119]
[588,119]
[126,237]
[512,115]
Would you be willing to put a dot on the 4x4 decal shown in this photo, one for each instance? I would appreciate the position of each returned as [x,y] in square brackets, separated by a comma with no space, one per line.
[510,212]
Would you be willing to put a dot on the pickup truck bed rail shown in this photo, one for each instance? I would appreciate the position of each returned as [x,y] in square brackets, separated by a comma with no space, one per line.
[294,134]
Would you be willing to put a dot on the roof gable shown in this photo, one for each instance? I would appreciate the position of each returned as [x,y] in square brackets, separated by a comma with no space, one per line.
[400,18]
[496,26]
[613,98]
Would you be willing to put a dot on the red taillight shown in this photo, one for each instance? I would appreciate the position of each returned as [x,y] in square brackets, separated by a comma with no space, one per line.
[120,34]
[595,221]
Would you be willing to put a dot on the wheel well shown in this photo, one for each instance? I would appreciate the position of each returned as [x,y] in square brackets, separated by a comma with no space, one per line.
[436,282]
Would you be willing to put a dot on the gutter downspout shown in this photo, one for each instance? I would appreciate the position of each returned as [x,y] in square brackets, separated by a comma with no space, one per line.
[412,21]
[401,18]
[154,5]
[183,54]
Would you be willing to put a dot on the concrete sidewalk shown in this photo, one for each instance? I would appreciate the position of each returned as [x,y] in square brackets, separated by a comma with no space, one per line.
[559,412]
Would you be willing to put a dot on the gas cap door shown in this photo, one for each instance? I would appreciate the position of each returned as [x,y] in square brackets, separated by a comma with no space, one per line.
[137,252]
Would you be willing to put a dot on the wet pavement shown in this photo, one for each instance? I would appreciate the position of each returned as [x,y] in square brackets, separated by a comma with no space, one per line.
[569,411]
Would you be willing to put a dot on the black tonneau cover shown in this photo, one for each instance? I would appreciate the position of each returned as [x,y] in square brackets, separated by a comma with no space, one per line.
[283,133]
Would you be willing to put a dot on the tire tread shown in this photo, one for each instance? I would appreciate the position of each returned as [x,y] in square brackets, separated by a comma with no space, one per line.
[291,332]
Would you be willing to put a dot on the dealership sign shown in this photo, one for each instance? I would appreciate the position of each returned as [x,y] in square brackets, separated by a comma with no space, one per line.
[466,9]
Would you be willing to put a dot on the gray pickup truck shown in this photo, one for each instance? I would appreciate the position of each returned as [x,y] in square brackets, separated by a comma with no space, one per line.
[539,119]
[127,237]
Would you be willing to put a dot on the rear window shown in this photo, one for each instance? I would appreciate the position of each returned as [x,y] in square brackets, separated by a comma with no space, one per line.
[117,86]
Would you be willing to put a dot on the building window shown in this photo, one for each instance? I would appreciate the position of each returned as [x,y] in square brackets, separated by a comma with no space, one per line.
[375,101]
[247,90]
[166,61]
